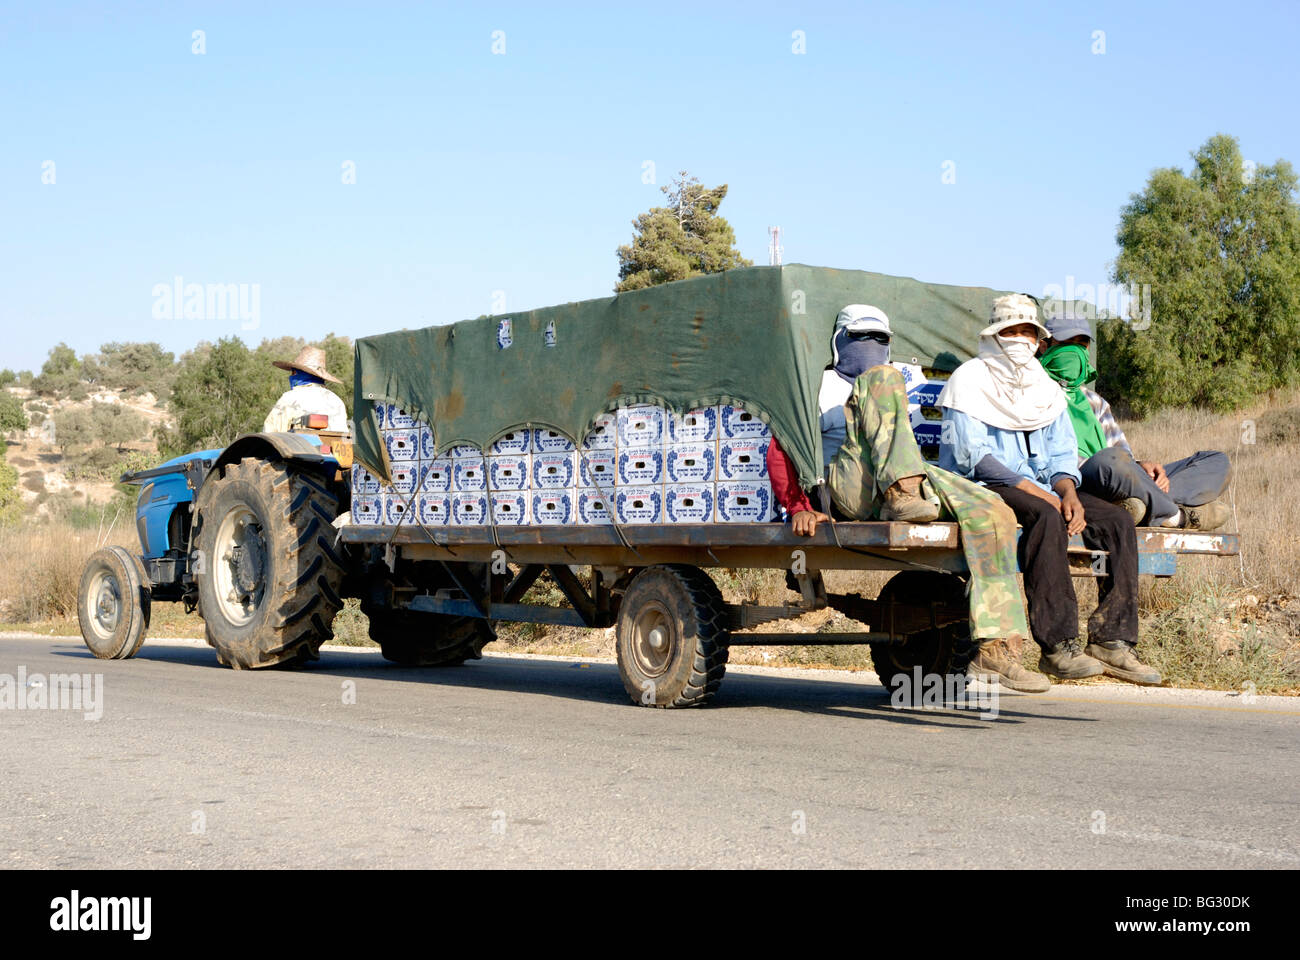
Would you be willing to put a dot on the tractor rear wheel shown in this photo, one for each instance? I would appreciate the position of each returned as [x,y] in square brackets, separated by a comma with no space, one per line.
[267,570]
[113,603]
[414,639]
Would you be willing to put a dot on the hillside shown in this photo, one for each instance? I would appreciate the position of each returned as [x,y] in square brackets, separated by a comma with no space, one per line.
[54,478]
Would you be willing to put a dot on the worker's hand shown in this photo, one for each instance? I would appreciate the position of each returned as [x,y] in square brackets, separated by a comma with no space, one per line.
[1156,472]
[1072,512]
[805,522]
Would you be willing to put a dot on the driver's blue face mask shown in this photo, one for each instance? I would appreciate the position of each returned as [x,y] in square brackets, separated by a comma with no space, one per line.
[298,378]
[856,353]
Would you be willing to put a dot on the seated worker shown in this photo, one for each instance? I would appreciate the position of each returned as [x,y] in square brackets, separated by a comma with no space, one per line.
[1185,493]
[874,468]
[307,393]
[1006,425]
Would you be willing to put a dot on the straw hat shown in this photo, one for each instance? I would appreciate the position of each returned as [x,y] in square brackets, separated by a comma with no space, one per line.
[309,360]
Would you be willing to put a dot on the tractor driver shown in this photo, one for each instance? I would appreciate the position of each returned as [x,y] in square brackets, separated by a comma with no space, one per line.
[307,394]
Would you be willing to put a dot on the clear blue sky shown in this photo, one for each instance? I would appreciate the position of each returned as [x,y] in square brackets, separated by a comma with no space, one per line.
[521,172]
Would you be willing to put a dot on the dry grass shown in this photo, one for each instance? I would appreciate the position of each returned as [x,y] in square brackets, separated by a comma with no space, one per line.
[43,567]
[1265,490]
[39,581]
[351,626]
[1225,622]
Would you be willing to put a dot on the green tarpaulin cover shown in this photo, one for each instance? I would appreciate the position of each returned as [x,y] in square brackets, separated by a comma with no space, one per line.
[757,336]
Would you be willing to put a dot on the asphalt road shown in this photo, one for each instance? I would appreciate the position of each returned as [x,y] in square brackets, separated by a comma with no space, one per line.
[514,761]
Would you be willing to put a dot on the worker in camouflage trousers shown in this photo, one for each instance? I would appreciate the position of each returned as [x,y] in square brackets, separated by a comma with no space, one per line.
[875,469]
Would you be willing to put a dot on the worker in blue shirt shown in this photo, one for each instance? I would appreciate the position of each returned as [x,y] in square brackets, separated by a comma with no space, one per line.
[1006,425]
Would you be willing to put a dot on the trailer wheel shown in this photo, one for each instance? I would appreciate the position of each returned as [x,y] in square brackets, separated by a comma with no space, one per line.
[268,574]
[113,603]
[415,639]
[672,637]
[943,651]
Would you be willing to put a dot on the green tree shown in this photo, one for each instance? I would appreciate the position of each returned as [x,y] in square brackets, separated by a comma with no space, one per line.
[1220,249]
[60,373]
[11,502]
[61,359]
[7,377]
[116,424]
[12,415]
[73,427]
[684,239]
[222,390]
[281,348]
[133,367]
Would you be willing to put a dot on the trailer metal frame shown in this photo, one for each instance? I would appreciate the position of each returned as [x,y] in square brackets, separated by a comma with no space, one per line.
[616,554]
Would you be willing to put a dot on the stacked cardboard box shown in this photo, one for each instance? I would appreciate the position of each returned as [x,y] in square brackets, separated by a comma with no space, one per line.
[703,466]
[640,464]
[376,503]
[924,385]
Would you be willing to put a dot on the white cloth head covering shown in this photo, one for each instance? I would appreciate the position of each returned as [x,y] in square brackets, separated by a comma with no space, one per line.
[995,391]
[861,318]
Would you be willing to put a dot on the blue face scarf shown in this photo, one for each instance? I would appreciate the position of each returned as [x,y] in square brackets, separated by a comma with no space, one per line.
[298,378]
[855,357]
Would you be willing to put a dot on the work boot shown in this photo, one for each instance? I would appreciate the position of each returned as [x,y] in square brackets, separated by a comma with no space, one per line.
[1118,660]
[993,661]
[903,501]
[1207,516]
[1137,509]
[1067,661]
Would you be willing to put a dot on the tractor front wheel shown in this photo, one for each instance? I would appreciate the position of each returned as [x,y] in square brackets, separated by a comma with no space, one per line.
[113,603]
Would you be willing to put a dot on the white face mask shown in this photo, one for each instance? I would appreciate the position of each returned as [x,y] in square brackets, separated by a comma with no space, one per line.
[1019,352]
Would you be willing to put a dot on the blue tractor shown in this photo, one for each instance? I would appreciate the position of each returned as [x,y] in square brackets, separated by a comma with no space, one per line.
[244,535]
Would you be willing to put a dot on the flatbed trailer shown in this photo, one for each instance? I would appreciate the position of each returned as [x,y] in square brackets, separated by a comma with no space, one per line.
[263,539]
[673,628]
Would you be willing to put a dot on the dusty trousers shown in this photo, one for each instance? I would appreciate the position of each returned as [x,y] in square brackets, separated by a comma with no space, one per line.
[1113,475]
[1042,551]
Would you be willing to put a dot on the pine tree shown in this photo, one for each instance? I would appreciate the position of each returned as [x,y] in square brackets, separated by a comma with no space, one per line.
[687,238]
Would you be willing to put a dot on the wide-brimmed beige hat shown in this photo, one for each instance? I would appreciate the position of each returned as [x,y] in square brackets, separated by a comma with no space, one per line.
[1012,310]
[309,360]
